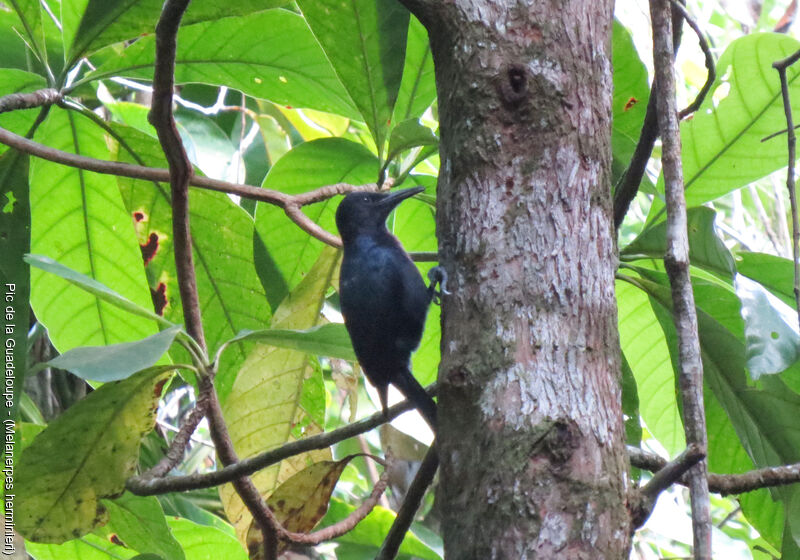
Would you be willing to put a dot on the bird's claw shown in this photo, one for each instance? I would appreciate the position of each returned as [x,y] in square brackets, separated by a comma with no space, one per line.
[438,277]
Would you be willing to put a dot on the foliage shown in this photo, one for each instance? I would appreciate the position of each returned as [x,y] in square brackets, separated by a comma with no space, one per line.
[322,93]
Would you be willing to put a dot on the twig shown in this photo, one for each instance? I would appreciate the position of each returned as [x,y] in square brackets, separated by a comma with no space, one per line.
[710,66]
[628,185]
[662,479]
[725,484]
[676,262]
[348,523]
[178,445]
[289,203]
[781,66]
[180,172]
[394,538]
[146,485]
[39,98]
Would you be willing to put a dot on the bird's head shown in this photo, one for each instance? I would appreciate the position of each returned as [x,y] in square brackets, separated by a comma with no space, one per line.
[364,212]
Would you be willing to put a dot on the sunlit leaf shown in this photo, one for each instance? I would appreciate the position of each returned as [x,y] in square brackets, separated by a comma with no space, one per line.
[288,67]
[369,57]
[277,396]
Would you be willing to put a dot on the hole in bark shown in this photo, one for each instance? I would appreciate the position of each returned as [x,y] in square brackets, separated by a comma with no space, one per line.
[516,79]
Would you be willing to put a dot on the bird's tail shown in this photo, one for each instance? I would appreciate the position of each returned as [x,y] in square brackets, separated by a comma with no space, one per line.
[414,392]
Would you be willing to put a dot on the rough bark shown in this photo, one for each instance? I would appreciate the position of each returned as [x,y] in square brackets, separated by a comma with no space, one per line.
[531,432]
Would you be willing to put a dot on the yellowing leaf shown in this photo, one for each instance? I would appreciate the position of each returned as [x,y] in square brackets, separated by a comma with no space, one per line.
[85,454]
[278,394]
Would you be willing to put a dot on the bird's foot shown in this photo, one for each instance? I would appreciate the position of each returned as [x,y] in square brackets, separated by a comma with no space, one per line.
[438,286]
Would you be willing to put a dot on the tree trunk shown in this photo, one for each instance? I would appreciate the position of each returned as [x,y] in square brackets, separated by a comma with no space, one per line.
[531,434]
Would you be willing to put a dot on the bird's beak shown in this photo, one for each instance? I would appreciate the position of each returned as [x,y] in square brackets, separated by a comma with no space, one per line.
[395,198]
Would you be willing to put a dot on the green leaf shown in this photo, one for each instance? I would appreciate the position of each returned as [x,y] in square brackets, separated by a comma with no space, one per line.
[418,86]
[92,286]
[772,345]
[414,224]
[329,340]
[706,249]
[104,23]
[326,161]
[139,522]
[277,394]
[722,147]
[643,343]
[630,406]
[89,231]
[763,416]
[231,295]
[776,274]
[410,134]
[88,547]
[631,88]
[365,40]
[29,13]
[201,542]
[117,361]
[86,454]
[288,67]
[372,531]
[15,231]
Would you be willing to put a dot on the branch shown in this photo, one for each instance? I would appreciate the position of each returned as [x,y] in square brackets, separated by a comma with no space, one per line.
[781,67]
[394,538]
[663,478]
[40,98]
[177,447]
[676,262]
[180,168]
[147,485]
[709,58]
[725,484]
[289,203]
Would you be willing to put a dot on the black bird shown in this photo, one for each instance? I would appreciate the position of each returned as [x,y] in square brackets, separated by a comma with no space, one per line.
[383,297]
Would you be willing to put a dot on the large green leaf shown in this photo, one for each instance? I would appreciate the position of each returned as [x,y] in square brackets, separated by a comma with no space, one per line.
[104,23]
[271,55]
[139,522]
[29,13]
[86,454]
[278,394]
[231,295]
[631,89]
[418,87]
[365,40]
[772,345]
[414,224]
[706,249]
[722,147]
[763,417]
[645,347]
[78,219]
[776,274]
[631,94]
[326,161]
